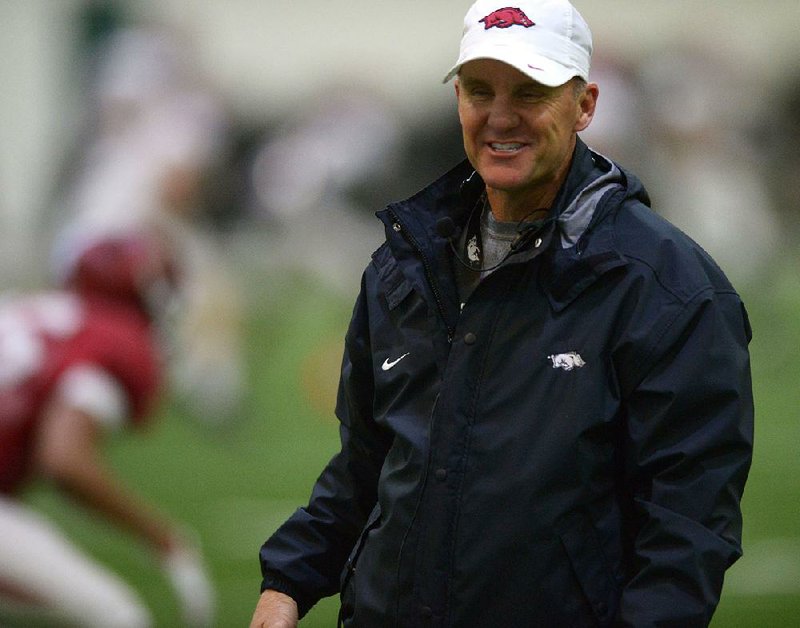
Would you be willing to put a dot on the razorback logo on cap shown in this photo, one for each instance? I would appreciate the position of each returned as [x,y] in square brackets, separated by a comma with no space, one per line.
[506,18]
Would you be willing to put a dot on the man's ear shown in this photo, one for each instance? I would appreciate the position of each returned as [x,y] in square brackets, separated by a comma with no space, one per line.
[587,103]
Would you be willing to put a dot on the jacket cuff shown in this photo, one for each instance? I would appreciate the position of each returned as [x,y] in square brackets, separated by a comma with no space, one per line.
[277,583]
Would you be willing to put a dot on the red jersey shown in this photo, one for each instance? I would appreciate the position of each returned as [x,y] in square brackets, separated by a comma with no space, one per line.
[42,337]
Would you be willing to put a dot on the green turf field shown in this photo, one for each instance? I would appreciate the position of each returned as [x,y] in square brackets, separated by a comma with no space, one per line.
[234,487]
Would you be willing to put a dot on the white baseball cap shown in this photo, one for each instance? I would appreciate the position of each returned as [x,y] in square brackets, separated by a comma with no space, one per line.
[547,40]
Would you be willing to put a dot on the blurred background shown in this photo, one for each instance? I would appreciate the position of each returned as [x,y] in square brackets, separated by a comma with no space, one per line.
[266,133]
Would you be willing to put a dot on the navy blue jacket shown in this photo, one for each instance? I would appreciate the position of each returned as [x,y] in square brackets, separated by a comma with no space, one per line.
[569,449]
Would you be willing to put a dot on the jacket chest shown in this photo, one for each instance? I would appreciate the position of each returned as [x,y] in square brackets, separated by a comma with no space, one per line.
[514,362]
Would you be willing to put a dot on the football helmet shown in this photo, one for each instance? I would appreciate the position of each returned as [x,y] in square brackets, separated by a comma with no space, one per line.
[133,269]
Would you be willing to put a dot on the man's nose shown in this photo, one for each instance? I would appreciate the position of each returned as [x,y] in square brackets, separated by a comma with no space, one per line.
[503,115]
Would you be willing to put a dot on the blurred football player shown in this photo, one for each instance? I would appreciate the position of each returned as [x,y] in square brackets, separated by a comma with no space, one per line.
[155,133]
[75,364]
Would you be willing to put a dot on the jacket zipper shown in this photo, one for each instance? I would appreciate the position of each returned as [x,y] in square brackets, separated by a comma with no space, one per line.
[416,508]
[398,227]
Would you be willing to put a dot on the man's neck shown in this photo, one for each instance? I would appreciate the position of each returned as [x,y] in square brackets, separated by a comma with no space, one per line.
[511,208]
[518,205]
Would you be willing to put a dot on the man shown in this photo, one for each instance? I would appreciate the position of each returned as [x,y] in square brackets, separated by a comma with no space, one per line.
[545,400]
[75,364]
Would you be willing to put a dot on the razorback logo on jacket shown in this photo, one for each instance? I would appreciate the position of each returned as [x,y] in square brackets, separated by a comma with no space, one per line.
[506,18]
[567,361]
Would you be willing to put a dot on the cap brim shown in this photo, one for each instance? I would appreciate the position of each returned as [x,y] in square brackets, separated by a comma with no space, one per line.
[539,68]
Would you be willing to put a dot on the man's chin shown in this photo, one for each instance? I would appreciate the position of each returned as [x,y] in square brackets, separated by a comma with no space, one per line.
[505,182]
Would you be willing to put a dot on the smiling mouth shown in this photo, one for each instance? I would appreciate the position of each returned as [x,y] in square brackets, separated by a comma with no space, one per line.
[506,147]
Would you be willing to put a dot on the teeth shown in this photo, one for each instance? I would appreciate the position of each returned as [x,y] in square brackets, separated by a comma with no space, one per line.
[510,147]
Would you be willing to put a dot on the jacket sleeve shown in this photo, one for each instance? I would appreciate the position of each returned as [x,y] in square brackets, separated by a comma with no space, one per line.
[690,437]
[305,556]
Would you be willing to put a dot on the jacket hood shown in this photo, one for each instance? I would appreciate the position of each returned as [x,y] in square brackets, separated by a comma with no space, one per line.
[590,179]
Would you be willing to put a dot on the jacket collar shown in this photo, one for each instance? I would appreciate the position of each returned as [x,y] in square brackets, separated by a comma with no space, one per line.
[580,174]
[581,203]
[583,200]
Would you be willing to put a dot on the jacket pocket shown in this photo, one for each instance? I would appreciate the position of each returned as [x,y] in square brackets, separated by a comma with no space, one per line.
[591,568]
[397,292]
[347,587]
[396,286]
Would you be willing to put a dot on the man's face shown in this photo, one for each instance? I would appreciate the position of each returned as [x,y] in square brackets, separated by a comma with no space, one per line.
[518,134]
